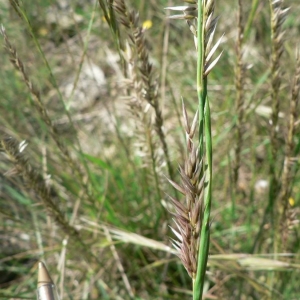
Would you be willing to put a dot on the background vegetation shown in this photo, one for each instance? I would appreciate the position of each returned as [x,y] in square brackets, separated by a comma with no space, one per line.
[89,194]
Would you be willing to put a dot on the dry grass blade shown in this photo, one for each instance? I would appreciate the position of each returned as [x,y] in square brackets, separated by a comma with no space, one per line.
[130,238]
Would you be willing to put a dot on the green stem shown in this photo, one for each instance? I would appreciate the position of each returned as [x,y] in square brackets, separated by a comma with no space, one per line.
[198,283]
[204,130]
[201,88]
[250,19]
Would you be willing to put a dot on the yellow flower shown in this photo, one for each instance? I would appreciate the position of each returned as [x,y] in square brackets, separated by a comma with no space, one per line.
[43,31]
[147,24]
[291,201]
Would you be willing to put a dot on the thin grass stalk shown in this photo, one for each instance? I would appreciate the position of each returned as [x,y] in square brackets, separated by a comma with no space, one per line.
[23,15]
[110,17]
[277,18]
[201,82]
[42,111]
[164,62]
[205,10]
[198,282]
[277,50]
[249,22]
[198,248]
[277,15]
[289,160]
[119,263]
[239,85]
[152,148]
[83,55]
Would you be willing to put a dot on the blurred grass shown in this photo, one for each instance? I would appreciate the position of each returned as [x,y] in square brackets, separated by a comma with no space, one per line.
[122,186]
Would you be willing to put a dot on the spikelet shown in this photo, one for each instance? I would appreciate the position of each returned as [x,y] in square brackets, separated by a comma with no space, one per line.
[189,13]
[192,218]
[188,216]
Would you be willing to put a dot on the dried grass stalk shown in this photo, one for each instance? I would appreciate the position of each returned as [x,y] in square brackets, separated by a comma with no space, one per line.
[278,16]
[146,142]
[290,168]
[239,85]
[136,34]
